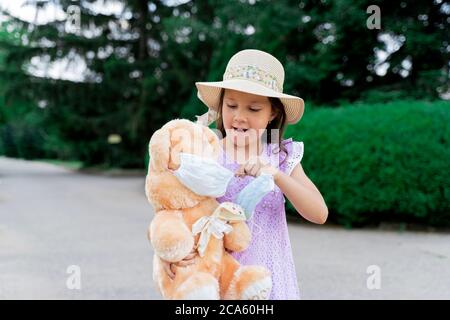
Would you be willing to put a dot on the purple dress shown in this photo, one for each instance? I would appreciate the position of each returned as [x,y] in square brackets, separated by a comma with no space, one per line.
[270,245]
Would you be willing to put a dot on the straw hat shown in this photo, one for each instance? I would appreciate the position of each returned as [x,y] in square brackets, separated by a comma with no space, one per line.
[251,71]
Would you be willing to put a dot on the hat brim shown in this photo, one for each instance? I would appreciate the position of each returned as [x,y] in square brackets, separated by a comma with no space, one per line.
[209,94]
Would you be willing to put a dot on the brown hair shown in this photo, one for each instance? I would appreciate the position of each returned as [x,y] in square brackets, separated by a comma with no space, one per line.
[279,122]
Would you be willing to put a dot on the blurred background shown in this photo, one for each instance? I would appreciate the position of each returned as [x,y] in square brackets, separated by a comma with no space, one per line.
[84,84]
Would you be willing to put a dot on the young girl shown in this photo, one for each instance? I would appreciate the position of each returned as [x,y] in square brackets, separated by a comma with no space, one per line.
[251,112]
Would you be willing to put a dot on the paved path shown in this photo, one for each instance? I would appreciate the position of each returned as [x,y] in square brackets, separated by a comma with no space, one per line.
[52,218]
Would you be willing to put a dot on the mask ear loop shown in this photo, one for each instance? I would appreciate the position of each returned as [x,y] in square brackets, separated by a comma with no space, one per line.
[250,221]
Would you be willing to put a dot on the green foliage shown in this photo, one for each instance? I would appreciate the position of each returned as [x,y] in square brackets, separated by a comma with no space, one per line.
[383,96]
[142,65]
[127,89]
[382,162]
[19,140]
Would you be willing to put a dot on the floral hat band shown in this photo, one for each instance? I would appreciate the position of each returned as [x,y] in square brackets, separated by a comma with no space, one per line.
[251,71]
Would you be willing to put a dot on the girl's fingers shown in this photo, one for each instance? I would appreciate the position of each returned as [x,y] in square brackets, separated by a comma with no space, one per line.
[190,256]
[255,170]
[240,171]
[188,260]
[173,268]
[185,263]
[168,269]
[248,168]
[251,168]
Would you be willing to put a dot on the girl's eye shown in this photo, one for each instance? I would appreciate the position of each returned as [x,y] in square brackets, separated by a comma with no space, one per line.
[231,106]
[254,110]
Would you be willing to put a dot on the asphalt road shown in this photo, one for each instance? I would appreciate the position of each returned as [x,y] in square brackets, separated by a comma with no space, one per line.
[52,218]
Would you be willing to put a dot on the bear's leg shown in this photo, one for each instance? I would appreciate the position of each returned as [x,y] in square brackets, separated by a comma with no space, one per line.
[199,286]
[250,283]
[161,280]
[229,266]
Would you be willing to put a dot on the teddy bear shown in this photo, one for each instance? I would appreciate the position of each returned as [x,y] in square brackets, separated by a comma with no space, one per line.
[178,209]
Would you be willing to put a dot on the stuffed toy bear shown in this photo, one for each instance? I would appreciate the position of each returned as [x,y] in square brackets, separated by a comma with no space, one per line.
[185,219]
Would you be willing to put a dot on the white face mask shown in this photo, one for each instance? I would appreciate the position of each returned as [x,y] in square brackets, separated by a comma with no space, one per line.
[253,193]
[203,176]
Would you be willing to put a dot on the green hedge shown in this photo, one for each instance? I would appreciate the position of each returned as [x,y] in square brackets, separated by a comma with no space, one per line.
[379,162]
[26,139]
[20,140]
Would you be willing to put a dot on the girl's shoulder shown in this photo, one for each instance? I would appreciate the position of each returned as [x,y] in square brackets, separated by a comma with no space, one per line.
[290,154]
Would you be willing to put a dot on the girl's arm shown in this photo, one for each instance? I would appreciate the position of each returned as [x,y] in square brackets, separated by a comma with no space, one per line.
[303,194]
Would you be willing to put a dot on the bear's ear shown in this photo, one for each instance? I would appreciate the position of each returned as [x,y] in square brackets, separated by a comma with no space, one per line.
[213,140]
[159,148]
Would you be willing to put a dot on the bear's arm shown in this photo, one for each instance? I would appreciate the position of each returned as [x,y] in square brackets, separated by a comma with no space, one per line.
[239,238]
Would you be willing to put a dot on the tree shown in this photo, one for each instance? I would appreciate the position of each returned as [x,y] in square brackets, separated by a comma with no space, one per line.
[124,90]
[421,63]
[139,63]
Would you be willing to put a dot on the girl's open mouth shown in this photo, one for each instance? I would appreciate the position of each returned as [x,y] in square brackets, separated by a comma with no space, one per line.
[239,129]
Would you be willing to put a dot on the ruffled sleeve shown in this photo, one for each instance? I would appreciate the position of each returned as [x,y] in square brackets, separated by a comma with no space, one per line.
[295,154]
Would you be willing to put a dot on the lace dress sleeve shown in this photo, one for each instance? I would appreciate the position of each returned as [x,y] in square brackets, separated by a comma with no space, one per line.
[295,155]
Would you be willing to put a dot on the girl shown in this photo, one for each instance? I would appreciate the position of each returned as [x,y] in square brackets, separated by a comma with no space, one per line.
[251,112]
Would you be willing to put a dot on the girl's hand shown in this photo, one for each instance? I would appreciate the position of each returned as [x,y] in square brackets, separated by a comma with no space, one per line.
[170,267]
[255,167]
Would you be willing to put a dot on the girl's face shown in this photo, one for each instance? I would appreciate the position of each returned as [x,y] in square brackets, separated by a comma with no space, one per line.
[245,116]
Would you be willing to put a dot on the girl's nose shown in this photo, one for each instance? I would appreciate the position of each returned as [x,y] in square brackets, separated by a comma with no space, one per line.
[239,116]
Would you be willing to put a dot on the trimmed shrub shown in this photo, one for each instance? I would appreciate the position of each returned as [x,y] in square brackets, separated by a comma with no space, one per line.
[381,162]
